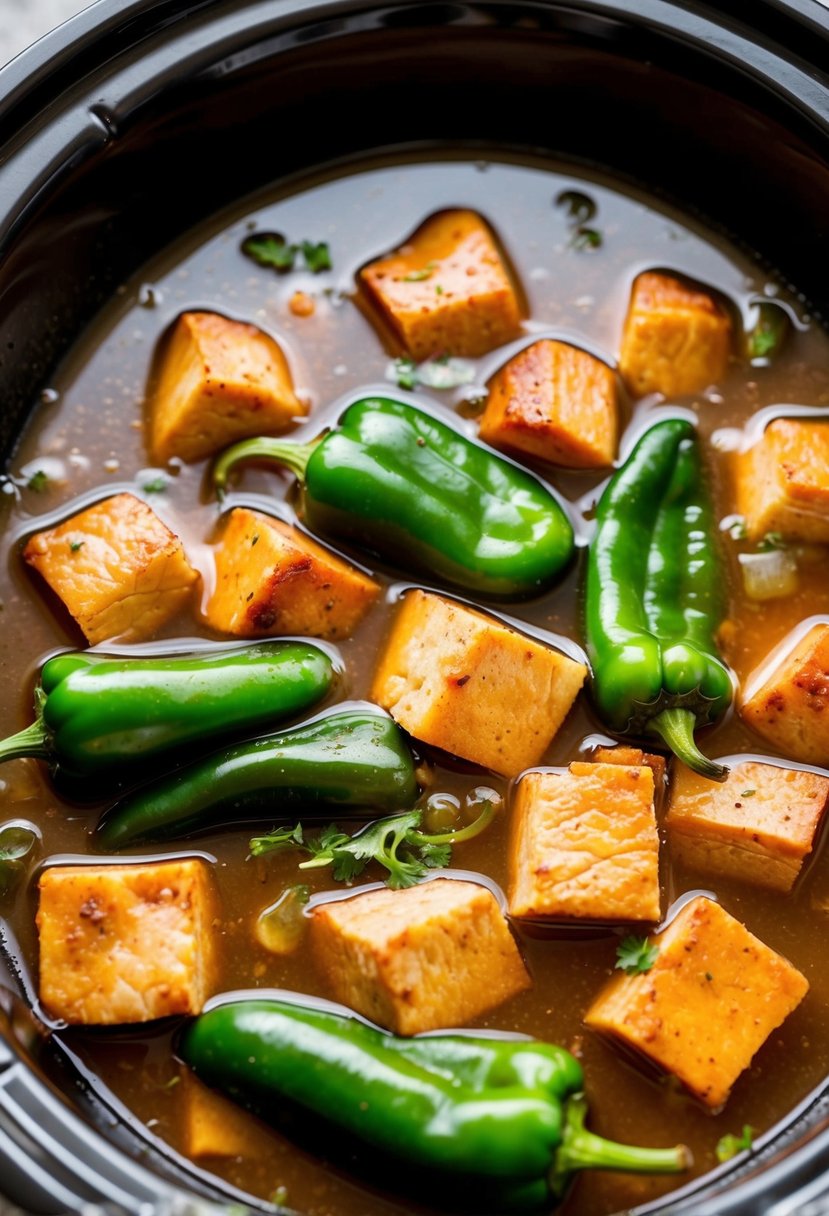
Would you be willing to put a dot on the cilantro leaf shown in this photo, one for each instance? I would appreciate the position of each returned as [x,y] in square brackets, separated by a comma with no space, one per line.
[772,540]
[435,856]
[277,841]
[317,255]
[157,486]
[635,955]
[586,238]
[270,249]
[730,1145]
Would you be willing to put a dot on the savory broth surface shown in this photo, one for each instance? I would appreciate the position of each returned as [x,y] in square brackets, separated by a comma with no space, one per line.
[88,438]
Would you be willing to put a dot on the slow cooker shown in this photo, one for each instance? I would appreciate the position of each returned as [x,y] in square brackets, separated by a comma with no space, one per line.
[106,126]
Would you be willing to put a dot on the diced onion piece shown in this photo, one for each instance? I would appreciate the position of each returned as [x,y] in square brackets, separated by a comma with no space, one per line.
[769,576]
[281,927]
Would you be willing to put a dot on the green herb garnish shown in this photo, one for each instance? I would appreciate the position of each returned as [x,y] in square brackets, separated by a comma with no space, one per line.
[635,955]
[586,238]
[579,207]
[418,276]
[270,249]
[75,545]
[317,255]
[404,371]
[730,1145]
[38,482]
[157,486]
[772,540]
[395,842]
[766,338]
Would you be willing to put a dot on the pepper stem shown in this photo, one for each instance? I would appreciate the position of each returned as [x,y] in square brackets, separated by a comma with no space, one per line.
[294,456]
[31,741]
[460,834]
[675,728]
[582,1150]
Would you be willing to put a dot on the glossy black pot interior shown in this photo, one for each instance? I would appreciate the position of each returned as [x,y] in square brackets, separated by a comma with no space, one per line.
[137,119]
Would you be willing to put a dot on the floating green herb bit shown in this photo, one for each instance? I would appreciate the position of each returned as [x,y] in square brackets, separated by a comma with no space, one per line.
[281,927]
[38,482]
[766,337]
[772,540]
[317,256]
[395,842]
[579,207]
[441,373]
[730,1145]
[586,238]
[635,955]
[270,249]
[17,843]
[403,372]
[157,486]
[75,545]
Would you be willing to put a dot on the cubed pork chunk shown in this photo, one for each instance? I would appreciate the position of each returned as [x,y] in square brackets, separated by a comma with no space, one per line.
[584,845]
[711,999]
[119,570]
[218,381]
[447,290]
[676,340]
[759,825]
[126,943]
[463,681]
[782,481]
[435,955]
[556,402]
[787,702]
[272,579]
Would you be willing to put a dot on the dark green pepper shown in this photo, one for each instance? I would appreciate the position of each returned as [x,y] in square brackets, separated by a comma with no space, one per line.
[501,1119]
[654,597]
[353,759]
[99,715]
[406,486]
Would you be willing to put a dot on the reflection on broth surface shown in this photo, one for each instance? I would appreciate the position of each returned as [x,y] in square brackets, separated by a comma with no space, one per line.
[88,439]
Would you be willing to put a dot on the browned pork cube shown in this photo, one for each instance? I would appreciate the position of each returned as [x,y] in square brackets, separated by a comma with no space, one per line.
[119,570]
[712,997]
[271,579]
[126,943]
[463,681]
[783,481]
[218,381]
[556,402]
[635,756]
[677,338]
[584,845]
[759,825]
[789,705]
[438,954]
[447,289]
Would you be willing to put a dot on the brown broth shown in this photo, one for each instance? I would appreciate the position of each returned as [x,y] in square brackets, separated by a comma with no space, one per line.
[89,439]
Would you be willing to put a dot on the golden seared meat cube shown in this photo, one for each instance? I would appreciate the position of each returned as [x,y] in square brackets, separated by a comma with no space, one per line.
[759,825]
[447,290]
[677,338]
[782,481]
[788,703]
[584,845]
[556,402]
[710,1000]
[213,1125]
[126,943]
[463,681]
[272,579]
[633,756]
[434,955]
[119,570]
[218,381]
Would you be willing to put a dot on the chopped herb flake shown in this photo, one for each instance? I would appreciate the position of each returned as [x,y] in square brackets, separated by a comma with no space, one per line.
[730,1145]
[157,486]
[404,372]
[317,256]
[579,207]
[270,249]
[772,540]
[635,955]
[586,238]
[75,545]
[418,276]
[38,482]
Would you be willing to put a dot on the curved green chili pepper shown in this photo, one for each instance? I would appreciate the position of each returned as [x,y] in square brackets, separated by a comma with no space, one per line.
[353,759]
[654,597]
[100,715]
[504,1119]
[402,484]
